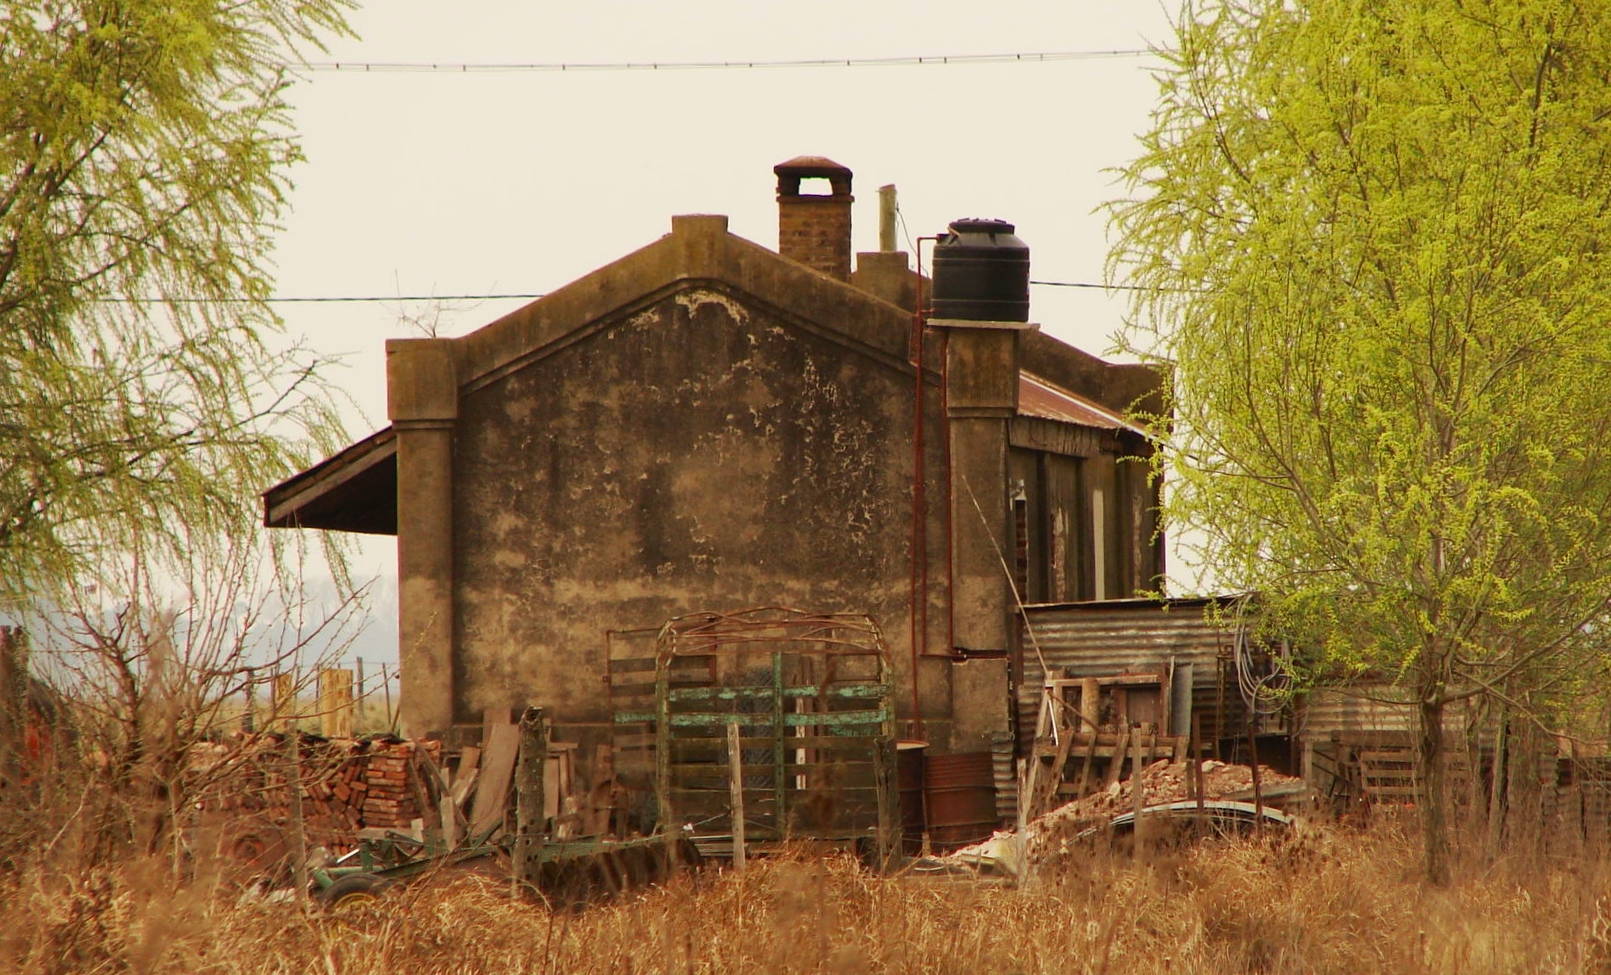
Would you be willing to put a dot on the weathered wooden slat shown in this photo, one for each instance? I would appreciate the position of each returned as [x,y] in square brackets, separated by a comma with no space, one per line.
[500,744]
[840,692]
[831,743]
[827,719]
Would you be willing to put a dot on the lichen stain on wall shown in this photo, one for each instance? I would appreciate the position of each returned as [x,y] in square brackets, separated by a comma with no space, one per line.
[697,454]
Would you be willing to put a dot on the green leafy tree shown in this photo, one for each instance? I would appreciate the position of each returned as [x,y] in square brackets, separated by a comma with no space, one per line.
[1373,240]
[146,389]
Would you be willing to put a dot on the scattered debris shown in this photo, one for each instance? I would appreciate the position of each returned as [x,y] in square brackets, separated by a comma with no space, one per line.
[1049,838]
[1165,782]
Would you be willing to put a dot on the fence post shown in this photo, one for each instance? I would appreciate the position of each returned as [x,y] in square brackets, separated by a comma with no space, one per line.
[335,703]
[285,709]
[735,773]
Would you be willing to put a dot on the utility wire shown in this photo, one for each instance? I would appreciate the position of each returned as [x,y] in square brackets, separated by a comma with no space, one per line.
[504,67]
[315,299]
[1093,285]
[356,299]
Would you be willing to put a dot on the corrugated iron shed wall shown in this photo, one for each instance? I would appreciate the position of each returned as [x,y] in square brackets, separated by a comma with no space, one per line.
[1098,639]
[1369,707]
[1344,710]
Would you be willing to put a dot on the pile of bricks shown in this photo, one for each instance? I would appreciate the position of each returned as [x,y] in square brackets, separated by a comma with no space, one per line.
[384,791]
[348,784]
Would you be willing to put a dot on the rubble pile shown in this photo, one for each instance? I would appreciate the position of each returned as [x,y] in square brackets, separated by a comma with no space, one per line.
[1166,781]
[1047,839]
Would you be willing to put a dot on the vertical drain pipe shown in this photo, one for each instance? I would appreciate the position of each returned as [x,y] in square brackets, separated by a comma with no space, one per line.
[919,542]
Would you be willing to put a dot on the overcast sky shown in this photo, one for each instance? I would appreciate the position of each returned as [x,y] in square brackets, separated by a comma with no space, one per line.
[453,182]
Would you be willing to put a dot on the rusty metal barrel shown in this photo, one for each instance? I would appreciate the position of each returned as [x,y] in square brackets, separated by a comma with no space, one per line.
[961,793]
[909,782]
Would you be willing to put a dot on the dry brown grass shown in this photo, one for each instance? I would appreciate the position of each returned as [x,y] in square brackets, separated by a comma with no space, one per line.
[1335,902]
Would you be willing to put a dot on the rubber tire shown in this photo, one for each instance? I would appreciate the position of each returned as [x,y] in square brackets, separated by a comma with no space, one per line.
[352,888]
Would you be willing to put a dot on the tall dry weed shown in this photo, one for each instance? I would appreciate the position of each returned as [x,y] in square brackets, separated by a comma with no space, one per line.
[1332,902]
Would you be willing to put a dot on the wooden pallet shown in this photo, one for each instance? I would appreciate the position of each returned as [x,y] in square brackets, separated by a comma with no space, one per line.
[1388,773]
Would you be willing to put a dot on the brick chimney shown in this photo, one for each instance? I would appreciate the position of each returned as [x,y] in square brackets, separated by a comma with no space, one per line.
[814,229]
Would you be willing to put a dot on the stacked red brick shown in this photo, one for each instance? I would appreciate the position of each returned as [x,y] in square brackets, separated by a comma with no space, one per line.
[347,784]
[387,799]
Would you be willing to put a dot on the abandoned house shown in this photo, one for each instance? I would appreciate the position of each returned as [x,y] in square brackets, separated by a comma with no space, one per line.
[709,424]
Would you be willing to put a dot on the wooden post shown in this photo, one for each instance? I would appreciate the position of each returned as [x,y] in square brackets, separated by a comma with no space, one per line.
[386,685]
[13,702]
[889,808]
[529,793]
[1197,767]
[1085,767]
[285,701]
[249,714]
[886,217]
[1258,794]
[359,695]
[1048,797]
[1091,704]
[1138,790]
[335,703]
[299,834]
[1116,764]
[735,785]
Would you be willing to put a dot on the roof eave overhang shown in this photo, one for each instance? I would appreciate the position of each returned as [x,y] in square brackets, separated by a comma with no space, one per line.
[354,490]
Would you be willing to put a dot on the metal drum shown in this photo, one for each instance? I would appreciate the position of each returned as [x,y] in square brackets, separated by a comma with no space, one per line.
[961,792]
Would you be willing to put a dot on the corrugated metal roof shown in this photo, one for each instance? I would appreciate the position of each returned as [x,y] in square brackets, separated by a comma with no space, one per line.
[1039,398]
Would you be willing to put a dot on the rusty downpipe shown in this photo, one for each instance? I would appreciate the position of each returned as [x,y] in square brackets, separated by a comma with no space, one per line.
[919,544]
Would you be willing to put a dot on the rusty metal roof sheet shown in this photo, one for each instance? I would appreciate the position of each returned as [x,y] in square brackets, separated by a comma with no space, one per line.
[1039,398]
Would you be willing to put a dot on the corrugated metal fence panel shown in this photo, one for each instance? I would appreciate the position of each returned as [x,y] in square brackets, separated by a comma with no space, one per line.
[1374,708]
[1351,710]
[1099,639]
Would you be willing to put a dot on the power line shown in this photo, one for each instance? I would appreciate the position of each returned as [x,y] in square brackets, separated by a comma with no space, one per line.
[356,298]
[314,299]
[1092,285]
[501,296]
[1035,57]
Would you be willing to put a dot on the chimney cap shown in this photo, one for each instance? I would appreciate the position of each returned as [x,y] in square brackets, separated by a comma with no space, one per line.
[811,166]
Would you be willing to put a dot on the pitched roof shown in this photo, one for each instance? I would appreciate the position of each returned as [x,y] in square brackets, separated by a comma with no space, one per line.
[355,489]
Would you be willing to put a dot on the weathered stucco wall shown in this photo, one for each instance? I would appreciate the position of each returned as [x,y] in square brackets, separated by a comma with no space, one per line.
[699,453]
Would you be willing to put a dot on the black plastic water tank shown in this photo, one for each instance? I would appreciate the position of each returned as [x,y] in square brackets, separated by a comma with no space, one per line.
[981,273]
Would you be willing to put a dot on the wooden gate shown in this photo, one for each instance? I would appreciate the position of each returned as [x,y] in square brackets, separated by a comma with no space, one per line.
[787,716]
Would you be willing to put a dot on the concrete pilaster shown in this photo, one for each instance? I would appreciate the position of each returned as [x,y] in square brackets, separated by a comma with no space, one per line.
[422,393]
[981,398]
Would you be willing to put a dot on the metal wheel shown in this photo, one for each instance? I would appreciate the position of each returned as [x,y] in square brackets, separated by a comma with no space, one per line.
[353,890]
